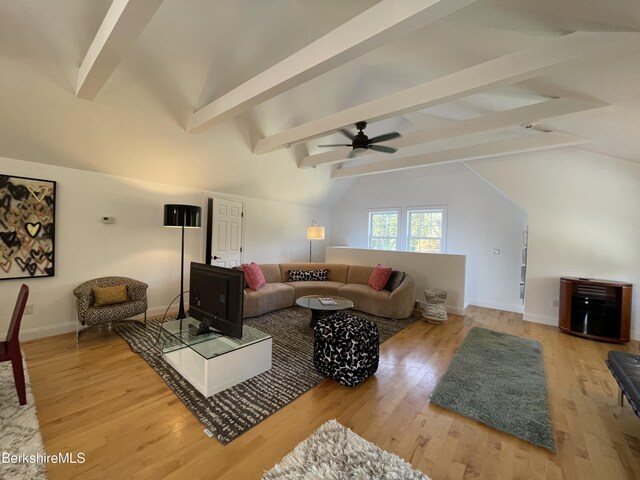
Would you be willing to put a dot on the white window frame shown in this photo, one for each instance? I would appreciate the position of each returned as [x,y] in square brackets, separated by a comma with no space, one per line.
[398,213]
[443,227]
[402,240]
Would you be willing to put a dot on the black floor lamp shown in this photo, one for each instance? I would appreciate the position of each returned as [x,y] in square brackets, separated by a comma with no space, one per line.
[182,216]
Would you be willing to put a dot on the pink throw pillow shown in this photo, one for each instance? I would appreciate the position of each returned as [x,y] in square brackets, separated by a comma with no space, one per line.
[253,275]
[379,277]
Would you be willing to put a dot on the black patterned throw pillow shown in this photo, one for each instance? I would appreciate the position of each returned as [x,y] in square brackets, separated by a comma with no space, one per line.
[394,281]
[320,275]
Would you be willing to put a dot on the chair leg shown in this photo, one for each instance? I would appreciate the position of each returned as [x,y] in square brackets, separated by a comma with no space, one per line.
[18,378]
[145,319]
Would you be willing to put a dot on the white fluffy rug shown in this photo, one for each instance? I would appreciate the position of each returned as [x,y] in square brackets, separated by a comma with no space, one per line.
[334,452]
[19,429]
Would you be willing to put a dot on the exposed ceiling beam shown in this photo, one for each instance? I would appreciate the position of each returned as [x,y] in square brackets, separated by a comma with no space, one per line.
[505,70]
[484,124]
[122,25]
[530,143]
[380,24]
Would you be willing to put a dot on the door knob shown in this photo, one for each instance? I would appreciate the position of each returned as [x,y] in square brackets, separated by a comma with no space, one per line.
[216,257]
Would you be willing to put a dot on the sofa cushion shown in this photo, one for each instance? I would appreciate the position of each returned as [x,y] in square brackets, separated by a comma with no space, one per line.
[366,299]
[395,279]
[272,296]
[271,272]
[337,272]
[316,288]
[253,275]
[359,274]
[113,313]
[109,295]
[320,275]
[379,277]
[362,293]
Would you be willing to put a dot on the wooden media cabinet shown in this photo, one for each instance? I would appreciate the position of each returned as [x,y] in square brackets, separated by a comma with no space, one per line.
[595,309]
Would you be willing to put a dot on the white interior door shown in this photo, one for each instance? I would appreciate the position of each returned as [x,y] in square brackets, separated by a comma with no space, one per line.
[226,236]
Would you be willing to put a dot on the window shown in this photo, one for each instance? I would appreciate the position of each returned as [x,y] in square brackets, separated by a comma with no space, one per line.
[383,230]
[425,229]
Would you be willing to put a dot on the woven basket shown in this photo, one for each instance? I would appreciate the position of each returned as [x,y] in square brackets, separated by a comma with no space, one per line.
[435,313]
[435,296]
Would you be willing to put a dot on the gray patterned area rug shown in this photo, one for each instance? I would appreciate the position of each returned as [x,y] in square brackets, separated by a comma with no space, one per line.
[19,429]
[498,379]
[333,452]
[235,410]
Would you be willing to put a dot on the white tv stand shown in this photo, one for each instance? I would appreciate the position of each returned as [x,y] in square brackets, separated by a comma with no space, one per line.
[212,362]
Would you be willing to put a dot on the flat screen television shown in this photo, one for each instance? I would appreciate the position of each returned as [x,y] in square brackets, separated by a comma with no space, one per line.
[216,298]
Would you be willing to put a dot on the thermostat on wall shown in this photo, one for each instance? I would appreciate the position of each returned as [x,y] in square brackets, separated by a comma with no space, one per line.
[108,220]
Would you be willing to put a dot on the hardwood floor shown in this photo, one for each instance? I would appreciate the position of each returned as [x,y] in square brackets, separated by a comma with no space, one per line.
[105,401]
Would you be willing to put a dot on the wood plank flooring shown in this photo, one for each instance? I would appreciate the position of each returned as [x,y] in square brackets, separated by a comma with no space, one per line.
[104,400]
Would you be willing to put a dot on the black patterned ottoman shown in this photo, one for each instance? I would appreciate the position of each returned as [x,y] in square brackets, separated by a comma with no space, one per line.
[347,348]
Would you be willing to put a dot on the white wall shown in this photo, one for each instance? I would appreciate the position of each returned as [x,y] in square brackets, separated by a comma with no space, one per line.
[277,232]
[479,220]
[583,221]
[429,270]
[137,245]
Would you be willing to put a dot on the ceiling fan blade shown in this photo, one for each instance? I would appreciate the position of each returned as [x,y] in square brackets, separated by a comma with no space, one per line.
[382,148]
[337,145]
[385,137]
[347,134]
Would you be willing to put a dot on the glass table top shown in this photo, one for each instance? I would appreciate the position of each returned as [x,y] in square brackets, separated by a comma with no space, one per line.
[209,345]
[313,302]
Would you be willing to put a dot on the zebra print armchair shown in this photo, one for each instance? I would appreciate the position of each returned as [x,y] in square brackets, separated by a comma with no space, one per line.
[90,315]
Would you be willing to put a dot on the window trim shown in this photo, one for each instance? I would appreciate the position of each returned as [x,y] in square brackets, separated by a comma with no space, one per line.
[443,228]
[402,239]
[394,210]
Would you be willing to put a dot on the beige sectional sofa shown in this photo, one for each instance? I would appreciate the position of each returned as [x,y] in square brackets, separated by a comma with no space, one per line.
[348,281]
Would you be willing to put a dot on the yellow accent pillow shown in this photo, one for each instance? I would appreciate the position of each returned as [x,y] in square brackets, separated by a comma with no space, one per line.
[110,295]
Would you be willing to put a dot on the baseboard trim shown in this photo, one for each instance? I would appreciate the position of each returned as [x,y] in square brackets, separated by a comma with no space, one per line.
[34,333]
[537,318]
[46,331]
[498,306]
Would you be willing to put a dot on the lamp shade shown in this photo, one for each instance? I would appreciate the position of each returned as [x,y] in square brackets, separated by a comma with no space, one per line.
[182,215]
[315,233]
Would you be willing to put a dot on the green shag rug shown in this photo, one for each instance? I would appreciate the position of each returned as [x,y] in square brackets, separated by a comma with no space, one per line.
[498,379]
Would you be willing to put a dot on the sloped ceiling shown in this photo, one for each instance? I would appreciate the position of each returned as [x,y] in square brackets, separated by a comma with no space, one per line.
[193,51]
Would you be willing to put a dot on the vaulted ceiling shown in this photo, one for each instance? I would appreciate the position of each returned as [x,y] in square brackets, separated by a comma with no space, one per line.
[235,96]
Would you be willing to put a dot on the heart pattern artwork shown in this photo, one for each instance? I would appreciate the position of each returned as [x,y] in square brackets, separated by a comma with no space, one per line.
[33,228]
[27,227]
[6,266]
[38,192]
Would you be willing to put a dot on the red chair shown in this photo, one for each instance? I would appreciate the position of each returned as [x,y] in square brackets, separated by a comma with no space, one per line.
[10,349]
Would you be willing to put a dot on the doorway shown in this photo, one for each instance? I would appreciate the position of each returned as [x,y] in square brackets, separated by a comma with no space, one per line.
[224,232]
